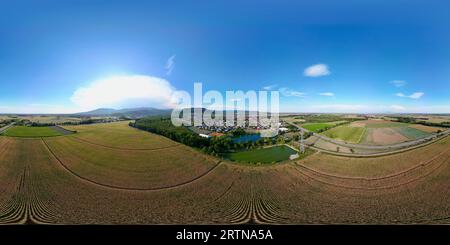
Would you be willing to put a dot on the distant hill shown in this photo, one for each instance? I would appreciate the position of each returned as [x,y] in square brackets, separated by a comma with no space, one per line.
[127,112]
[142,112]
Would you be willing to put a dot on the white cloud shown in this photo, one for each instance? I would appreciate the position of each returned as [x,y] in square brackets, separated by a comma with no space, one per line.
[290,92]
[397,107]
[170,64]
[317,70]
[329,94]
[416,95]
[398,83]
[270,87]
[125,91]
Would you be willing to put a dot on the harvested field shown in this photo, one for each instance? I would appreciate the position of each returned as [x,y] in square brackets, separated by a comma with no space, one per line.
[141,169]
[372,167]
[410,187]
[424,128]
[383,124]
[381,132]
[383,136]
[119,135]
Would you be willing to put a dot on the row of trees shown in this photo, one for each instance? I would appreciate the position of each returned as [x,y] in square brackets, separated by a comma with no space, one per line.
[413,120]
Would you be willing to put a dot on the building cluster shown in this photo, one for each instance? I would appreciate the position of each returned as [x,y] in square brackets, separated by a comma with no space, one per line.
[220,129]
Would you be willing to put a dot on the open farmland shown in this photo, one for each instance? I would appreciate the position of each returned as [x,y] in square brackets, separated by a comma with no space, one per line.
[412,133]
[319,127]
[346,133]
[64,180]
[31,132]
[51,119]
[427,129]
[264,155]
[380,132]
[119,135]
[383,136]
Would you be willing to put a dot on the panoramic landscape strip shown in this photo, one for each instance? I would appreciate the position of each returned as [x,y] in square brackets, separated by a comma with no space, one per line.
[158,173]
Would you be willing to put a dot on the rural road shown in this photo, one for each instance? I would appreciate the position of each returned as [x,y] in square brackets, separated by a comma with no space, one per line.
[375,147]
[6,127]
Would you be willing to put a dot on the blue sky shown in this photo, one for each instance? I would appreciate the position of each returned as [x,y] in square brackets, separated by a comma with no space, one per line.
[363,56]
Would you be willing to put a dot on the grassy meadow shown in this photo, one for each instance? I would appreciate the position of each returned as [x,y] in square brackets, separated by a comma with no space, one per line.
[262,155]
[30,132]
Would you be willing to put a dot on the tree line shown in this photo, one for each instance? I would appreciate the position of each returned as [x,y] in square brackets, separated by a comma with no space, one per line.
[214,145]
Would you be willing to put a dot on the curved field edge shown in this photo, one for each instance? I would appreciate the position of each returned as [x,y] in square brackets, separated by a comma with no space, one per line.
[35,188]
[86,171]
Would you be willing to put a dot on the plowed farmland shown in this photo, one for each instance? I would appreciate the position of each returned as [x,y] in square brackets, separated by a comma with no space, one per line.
[98,176]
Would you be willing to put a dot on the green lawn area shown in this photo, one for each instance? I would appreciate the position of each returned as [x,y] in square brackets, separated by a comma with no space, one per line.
[317,127]
[25,131]
[412,133]
[346,133]
[262,155]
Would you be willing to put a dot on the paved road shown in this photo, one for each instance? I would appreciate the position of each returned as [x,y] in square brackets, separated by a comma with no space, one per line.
[376,147]
[6,127]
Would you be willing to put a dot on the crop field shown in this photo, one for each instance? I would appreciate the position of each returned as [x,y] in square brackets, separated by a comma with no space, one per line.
[140,169]
[412,133]
[264,155]
[119,135]
[427,129]
[346,133]
[316,127]
[65,180]
[25,131]
[379,132]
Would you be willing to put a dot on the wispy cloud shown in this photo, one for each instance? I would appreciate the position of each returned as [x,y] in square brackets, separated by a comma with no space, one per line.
[290,92]
[170,64]
[416,95]
[329,94]
[270,87]
[398,83]
[317,70]
[397,107]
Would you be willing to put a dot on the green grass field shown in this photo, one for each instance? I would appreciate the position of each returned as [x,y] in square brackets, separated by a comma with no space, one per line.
[346,133]
[24,131]
[317,127]
[264,155]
